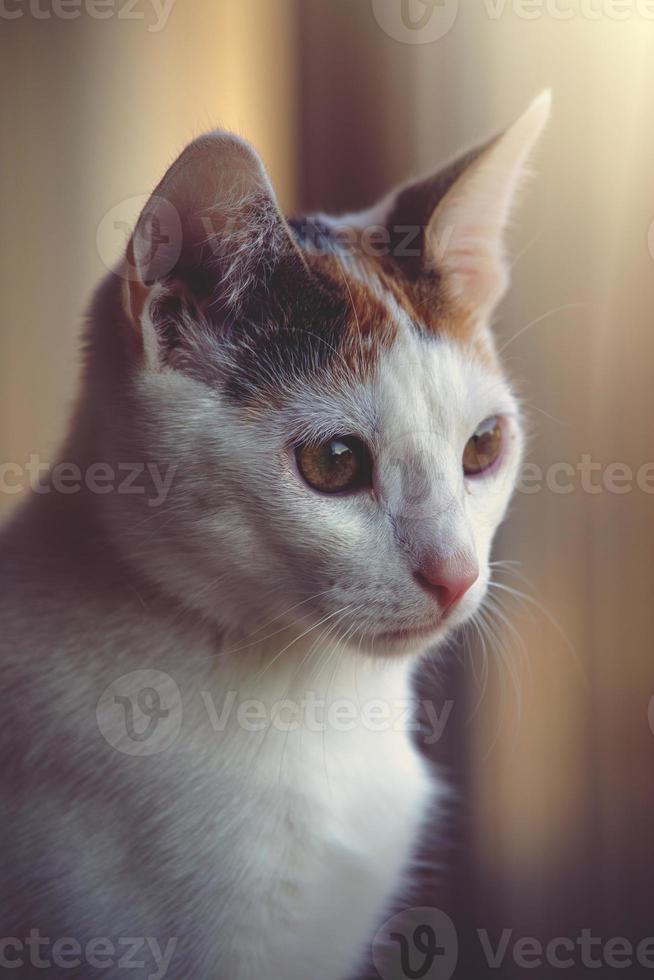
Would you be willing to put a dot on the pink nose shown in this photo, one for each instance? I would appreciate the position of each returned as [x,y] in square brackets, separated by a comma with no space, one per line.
[447,579]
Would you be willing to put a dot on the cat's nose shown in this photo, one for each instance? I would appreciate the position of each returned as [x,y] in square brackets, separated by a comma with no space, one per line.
[447,579]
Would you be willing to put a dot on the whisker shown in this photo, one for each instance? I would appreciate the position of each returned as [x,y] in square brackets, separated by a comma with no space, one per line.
[297,638]
[535,604]
[539,319]
[262,639]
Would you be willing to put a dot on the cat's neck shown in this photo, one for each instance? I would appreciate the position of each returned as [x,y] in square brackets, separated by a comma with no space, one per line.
[295,659]
[295,690]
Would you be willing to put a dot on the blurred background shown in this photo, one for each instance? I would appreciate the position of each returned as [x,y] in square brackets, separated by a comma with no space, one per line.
[553,751]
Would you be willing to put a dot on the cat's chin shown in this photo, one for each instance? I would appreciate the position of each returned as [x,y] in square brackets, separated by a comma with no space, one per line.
[405,641]
[409,640]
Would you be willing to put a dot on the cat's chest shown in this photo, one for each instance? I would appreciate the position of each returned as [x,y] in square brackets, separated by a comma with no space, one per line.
[298,811]
[350,793]
[341,781]
[368,817]
[322,840]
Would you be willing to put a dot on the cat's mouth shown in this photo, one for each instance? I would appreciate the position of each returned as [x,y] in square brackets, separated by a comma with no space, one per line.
[410,636]
[407,634]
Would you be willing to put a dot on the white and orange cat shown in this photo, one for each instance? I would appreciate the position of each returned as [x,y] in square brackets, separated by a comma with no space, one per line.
[200,753]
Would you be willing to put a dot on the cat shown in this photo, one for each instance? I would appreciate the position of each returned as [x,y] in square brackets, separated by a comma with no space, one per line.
[293,445]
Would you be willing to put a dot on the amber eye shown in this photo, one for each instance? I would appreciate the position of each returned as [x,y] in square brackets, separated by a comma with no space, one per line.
[483,448]
[341,464]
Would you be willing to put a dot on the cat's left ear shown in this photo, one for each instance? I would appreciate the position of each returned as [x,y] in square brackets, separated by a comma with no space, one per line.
[462,213]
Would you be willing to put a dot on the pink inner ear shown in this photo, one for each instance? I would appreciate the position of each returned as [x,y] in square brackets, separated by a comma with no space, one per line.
[482,284]
[134,298]
[475,273]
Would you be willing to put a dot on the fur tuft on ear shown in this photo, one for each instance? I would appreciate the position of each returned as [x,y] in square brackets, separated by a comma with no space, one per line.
[210,234]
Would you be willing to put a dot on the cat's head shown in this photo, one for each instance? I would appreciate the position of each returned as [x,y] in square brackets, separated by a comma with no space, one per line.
[327,390]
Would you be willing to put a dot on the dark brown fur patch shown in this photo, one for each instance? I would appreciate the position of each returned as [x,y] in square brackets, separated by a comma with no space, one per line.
[312,320]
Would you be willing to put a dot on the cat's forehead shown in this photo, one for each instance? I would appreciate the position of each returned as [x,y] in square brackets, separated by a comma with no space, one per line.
[358,323]
[420,391]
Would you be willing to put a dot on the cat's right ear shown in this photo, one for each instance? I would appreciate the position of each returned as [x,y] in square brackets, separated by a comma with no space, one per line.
[460,215]
[211,234]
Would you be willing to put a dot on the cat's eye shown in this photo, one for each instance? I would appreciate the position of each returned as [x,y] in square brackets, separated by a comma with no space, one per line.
[335,466]
[483,447]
